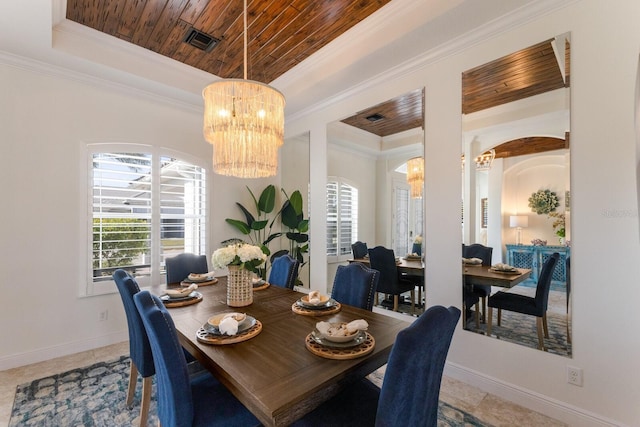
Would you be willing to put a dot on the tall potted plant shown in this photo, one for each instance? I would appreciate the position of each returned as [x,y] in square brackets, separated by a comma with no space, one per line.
[297,228]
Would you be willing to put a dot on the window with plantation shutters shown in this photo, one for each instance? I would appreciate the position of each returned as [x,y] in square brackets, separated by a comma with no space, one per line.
[342,219]
[145,207]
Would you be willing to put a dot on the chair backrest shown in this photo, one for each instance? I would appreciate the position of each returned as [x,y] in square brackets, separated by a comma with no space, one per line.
[384,261]
[359,249]
[139,348]
[175,402]
[284,271]
[411,385]
[180,266]
[355,284]
[476,250]
[544,283]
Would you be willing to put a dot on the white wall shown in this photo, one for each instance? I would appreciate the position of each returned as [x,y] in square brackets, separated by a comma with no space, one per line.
[605,46]
[45,121]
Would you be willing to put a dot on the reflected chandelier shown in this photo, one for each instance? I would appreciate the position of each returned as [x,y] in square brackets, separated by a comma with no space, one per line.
[484,160]
[244,121]
[415,176]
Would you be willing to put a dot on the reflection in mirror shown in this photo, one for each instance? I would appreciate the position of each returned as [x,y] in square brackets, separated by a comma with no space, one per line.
[369,193]
[294,170]
[516,197]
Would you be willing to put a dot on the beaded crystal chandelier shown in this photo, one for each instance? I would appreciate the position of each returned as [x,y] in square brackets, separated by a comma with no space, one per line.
[415,176]
[244,121]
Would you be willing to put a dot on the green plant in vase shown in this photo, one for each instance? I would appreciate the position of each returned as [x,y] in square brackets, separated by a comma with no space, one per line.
[259,227]
[292,217]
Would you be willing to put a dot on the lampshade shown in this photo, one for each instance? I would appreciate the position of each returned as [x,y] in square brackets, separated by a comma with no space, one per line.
[521,221]
[484,160]
[244,121]
[415,176]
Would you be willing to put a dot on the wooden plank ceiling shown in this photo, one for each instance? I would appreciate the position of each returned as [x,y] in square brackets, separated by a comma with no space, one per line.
[388,118]
[281,34]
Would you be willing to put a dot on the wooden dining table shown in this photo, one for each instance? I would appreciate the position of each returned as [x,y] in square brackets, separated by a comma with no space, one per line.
[485,275]
[413,266]
[274,374]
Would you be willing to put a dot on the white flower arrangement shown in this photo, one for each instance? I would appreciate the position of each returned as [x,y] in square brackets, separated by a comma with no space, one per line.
[543,202]
[242,254]
[418,239]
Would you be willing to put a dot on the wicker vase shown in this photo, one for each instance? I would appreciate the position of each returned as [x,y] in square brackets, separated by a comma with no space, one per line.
[239,287]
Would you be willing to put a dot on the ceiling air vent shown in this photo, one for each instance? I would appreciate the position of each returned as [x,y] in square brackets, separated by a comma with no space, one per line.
[375,117]
[200,40]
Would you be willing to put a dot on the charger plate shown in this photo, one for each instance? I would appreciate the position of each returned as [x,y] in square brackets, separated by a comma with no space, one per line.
[315,312]
[360,350]
[187,283]
[205,337]
[169,303]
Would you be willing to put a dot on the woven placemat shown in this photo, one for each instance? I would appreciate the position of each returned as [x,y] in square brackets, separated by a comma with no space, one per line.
[204,337]
[315,313]
[181,303]
[185,283]
[341,353]
[265,285]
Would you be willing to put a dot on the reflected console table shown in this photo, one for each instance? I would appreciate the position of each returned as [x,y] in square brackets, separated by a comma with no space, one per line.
[533,257]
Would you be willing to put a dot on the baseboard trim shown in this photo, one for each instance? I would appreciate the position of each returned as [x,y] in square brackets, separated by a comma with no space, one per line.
[47,353]
[553,408]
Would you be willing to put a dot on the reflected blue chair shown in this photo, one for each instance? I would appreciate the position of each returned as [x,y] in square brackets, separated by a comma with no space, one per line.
[476,250]
[534,306]
[390,282]
[139,348]
[411,386]
[359,250]
[184,401]
[355,284]
[180,266]
[284,271]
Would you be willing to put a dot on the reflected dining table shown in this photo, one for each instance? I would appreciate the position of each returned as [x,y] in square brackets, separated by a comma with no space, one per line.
[485,275]
[273,374]
[412,266]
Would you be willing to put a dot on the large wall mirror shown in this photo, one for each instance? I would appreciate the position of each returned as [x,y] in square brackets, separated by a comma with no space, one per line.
[373,196]
[516,197]
[294,169]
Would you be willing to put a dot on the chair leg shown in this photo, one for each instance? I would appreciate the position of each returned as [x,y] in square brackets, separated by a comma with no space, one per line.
[499,317]
[540,334]
[484,309]
[395,302]
[489,320]
[413,302]
[375,301]
[146,401]
[133,379]
[477,315]
[544,324]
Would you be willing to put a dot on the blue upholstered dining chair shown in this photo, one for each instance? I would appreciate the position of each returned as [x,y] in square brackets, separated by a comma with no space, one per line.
[533,306]
[284,271]
[185,401]
[359,249]
[390,283]
[139,348]
[476,250]
[411,386]
[355,284]
[180,266]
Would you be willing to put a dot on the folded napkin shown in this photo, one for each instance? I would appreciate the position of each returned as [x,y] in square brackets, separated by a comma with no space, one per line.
[472,261]
[503,267]
[200,276]
[314,298]
[181,292]
[342,329]
[230,323]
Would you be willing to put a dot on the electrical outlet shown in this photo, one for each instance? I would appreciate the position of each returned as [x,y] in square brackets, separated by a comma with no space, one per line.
[104,315]
[574,376]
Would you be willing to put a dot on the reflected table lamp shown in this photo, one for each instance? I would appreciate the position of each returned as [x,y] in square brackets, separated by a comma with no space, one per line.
[518,222]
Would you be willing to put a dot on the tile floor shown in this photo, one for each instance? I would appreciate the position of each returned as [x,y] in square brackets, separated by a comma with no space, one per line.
[486,407]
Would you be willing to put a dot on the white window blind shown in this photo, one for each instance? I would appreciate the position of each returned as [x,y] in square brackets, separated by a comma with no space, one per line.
[145,208]
[342,218]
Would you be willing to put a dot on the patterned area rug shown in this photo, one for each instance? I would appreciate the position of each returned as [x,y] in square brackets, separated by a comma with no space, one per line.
[95,396]
[521,328]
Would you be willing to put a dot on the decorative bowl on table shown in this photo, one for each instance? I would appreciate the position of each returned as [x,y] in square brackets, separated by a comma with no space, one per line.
[338,332]
[314,299]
